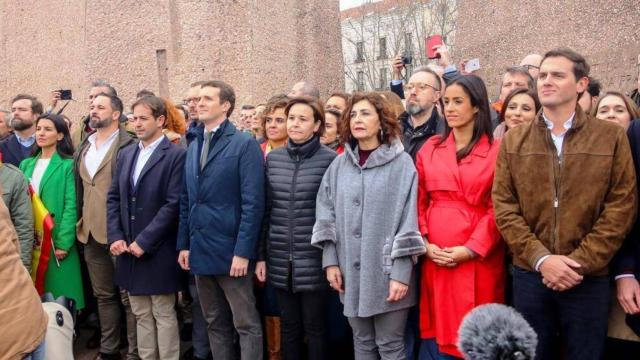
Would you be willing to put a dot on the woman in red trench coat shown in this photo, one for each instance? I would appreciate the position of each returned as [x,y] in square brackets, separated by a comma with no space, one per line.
[465,265]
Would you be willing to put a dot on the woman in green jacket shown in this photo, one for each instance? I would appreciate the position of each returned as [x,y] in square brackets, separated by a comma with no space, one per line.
[50,173]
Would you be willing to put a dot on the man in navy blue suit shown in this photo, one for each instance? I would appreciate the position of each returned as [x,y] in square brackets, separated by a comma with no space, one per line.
[221,210]
[15,148]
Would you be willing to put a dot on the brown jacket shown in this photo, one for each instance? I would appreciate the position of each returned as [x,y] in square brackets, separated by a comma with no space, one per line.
[581,205]
[23,322]
[91,193]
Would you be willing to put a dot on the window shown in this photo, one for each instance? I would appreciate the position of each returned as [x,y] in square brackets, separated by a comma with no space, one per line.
[360,51]
[360,82]
[384,79]
[408,43]
[383,48]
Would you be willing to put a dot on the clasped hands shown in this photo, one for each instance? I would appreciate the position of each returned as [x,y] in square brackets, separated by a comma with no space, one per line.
[120,247]
[450,256]
[559,272]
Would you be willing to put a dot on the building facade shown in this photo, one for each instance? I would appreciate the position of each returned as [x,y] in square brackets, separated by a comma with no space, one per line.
[259,47]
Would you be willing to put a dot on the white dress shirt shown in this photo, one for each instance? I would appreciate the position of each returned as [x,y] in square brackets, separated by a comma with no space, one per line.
[143,156]
[95,155]
[558,140]
[38,173]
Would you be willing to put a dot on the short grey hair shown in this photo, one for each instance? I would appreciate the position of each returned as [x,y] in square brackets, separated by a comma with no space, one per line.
[310,90]
[520,70]
[427,69]
[102,83]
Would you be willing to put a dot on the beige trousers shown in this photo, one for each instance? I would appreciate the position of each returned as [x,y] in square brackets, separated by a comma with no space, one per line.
[157,326]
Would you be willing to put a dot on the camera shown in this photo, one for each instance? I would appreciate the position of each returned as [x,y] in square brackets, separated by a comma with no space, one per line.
[406,60]
[65,95]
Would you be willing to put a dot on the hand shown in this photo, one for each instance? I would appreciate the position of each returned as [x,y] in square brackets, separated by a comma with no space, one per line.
[136,250]
[261,271]
[239,266]
[629,294]
[462,67]
[118,247]
[435,253]
[60,254]
[183,259]
[397,291]
[445,58]
[458,254]
[558,272]
[335,278]
[396,68]
[55,97]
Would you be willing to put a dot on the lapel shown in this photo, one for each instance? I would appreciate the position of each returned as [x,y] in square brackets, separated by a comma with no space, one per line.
[156,156]
[54,164]
[447,151]
[222,142]
[108,156]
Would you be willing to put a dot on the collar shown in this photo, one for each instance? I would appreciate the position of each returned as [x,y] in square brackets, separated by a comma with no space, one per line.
[306,149]
[151,146]
[92,137]
[28,141]
[567,124]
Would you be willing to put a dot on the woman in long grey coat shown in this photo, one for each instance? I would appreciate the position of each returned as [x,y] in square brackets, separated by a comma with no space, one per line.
[366,224]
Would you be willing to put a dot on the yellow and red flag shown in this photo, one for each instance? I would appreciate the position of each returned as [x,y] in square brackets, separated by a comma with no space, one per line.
[43,244]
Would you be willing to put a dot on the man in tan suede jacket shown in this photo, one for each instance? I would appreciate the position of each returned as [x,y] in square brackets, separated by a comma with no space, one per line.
[564,197]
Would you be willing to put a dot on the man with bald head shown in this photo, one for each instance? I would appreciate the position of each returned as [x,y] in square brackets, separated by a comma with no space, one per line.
[304,88]
[532,63]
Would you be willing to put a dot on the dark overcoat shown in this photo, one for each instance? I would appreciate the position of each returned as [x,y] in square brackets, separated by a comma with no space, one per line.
[147,213]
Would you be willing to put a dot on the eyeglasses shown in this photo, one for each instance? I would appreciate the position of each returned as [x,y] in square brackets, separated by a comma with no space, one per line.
[419,87]
[194,99]
[529,67]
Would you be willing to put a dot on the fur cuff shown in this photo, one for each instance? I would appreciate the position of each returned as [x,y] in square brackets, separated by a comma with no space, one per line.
[407,244]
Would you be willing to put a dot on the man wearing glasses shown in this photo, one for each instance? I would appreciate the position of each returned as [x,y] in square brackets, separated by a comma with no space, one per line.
[192,105]
[421,119]
[532,63]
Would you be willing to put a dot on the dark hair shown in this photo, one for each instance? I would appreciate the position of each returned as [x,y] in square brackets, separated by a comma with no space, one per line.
[36,106]
[64,147]
[144,92]
[428,70]
[247,107]
[102,83]
[314,103]
[154,103]
[580,66]
[116,103]
[520,70]
[632,108]
[532,93]
[226,93]
[594,87]
[474,87]
[275,102]
[333,112]
[389,123]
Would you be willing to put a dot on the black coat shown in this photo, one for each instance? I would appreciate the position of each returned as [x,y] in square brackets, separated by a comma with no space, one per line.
[293,175]
[627,260]
[414,138]
[147,214]
[13,152]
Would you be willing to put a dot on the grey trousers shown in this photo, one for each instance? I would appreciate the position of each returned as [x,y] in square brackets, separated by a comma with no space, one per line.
[380,336]
[199,337]
[101,270]
[229,302]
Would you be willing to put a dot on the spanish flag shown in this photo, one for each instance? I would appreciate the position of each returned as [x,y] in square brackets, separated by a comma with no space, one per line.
[43,244]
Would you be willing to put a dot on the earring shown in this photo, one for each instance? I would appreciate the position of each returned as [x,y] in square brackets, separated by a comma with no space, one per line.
[381,134]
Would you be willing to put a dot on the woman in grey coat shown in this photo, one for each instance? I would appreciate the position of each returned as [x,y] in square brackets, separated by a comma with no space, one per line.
[366,224]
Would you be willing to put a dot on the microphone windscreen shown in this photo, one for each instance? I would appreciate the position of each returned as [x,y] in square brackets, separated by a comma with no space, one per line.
[496,332]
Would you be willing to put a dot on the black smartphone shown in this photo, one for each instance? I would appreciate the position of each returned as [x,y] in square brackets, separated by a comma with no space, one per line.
[65,95]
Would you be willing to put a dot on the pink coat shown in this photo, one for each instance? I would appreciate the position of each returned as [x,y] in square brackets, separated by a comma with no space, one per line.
[455,209]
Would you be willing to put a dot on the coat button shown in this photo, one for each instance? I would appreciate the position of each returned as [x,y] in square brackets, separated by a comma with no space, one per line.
[133,199]
[356,202]
[357,235]
[133,217]
[356,265]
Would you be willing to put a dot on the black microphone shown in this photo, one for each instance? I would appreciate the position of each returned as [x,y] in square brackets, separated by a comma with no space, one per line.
[496,332]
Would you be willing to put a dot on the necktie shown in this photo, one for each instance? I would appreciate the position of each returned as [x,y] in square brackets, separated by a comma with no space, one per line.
[205,149]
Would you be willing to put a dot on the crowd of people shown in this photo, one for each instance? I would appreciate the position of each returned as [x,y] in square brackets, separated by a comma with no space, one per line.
[365,226]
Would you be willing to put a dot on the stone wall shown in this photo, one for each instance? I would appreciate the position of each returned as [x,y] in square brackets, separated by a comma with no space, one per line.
[259,47]
[502,32]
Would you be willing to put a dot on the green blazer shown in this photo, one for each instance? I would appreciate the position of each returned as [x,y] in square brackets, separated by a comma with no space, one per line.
[57,191]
